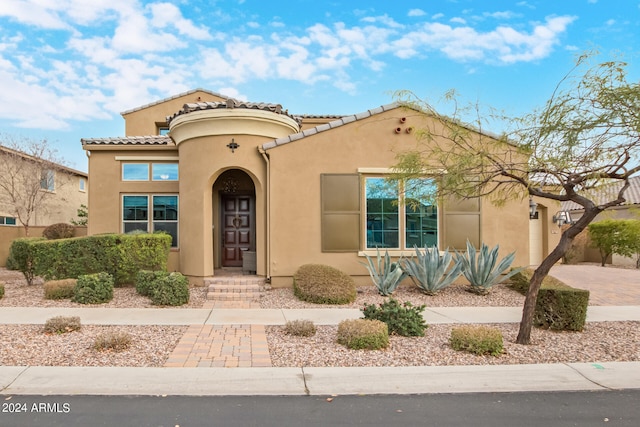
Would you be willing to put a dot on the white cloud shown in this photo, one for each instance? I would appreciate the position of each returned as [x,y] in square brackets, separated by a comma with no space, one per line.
[416,12]
[113,55]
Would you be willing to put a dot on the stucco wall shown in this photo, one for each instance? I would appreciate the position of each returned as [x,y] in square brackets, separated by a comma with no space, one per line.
[368,143]
[144,121]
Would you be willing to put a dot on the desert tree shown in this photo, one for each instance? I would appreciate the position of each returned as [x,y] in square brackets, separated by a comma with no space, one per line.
[28,169]
[586,135]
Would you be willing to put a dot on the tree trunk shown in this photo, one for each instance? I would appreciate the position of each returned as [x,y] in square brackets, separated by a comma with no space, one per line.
[524,333]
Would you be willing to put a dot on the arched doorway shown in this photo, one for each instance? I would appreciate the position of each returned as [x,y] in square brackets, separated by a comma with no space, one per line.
[234,216]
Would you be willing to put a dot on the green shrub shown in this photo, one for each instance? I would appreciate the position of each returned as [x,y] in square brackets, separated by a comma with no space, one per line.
[120,255]
[58,231]
[386,275]
[112,341]
[477,339]
[62,324]
[363,334]
[321,284]
[59,289]
[93,289]
[22,258]
[1,290]
[401,319]
[300,328]
[146,279]
[559,306]
[172,289]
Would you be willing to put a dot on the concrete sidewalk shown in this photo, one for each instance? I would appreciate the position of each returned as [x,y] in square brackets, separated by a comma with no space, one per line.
[257,316]
[38,380]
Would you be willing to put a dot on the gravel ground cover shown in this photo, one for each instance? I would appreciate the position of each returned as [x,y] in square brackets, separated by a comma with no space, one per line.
[28,345]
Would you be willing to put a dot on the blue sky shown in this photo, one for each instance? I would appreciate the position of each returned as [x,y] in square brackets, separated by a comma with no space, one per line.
[69,67]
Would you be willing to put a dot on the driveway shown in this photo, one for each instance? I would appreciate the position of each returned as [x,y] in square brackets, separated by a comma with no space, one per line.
[607,285]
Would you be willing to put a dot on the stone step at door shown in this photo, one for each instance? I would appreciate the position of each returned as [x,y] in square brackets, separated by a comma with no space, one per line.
[234,288]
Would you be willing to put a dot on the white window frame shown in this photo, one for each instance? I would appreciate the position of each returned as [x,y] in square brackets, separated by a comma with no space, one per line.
[167,179]
[124,165]
[402,248]
[150,221]
[49,180]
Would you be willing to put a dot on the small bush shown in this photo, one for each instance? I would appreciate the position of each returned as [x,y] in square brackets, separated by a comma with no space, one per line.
[62,324]
[112,341]
[300,328]
[477,340]
[145,280]
[321,284]
[401,319]
[93,289]
[559,306]
[22,257]
[363,334]
[172,289]
[58,231]
[1,290]
[59,289]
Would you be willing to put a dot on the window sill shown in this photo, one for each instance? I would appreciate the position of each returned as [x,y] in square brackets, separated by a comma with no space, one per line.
[392,252]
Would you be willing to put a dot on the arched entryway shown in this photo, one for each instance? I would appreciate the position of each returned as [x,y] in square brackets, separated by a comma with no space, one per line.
[234,218]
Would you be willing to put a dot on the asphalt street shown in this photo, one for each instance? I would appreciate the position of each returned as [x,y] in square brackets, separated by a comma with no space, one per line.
[550,409]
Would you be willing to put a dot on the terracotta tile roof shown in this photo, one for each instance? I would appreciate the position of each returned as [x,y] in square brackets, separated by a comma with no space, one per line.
[608,192]
[129,140]
[342,120]
[174,97]
[231,103]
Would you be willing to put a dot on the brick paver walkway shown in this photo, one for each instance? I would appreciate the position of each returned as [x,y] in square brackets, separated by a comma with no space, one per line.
[606,285]
[229,346]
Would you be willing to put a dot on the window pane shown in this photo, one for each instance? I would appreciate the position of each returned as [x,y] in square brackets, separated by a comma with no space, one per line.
[135,208]
[170,228]
[10,221]
[382,213]
[47,180]
[165,171]
[82,184]
[421,213]
[131,226]
[165,216]
[165,208]
[135,171]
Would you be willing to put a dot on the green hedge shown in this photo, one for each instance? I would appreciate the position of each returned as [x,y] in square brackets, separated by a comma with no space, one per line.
[120,255]
[21,257]
[559,306]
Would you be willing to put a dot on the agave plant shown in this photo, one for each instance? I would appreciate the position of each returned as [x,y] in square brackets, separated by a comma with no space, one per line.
[429,270]
[386,275]
[480,268]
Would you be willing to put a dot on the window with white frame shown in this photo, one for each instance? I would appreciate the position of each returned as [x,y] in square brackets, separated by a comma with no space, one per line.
[7,220]
[135,171]
[400,214]
[164,171]
[164,217]
[47,180]
[82,184]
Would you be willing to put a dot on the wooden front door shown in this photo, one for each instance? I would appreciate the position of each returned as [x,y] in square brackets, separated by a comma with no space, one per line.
[237,233]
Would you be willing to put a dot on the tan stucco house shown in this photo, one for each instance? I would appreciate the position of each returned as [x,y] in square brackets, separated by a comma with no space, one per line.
[253,186]
[52,192]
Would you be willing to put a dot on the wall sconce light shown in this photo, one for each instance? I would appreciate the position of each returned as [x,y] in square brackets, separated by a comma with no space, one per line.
[533,208]
[561,218]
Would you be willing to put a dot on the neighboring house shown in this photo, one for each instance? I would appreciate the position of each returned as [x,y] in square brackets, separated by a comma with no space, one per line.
[241,183]
[630,209]
[66,189]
